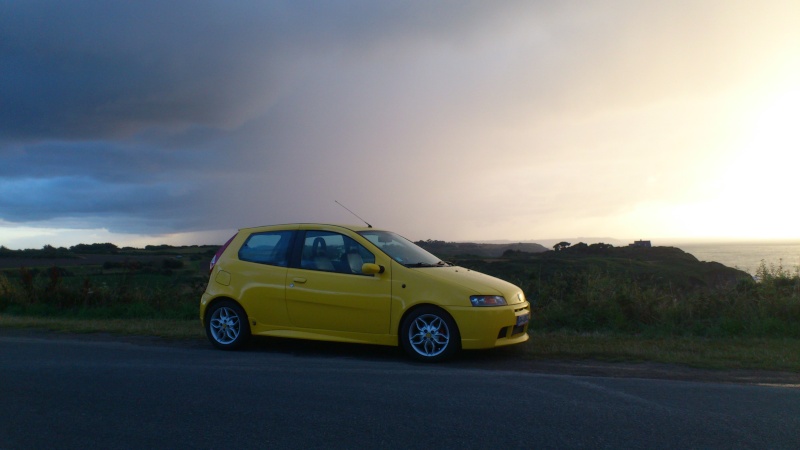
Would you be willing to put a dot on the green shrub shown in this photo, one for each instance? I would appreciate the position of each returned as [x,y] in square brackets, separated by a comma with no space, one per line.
[135,292]
[593,301]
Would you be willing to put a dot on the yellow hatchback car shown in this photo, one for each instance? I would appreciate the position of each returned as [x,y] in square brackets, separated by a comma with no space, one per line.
[355,284]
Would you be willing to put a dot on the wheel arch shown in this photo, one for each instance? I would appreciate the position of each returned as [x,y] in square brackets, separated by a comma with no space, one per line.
[209,306]
[417,306]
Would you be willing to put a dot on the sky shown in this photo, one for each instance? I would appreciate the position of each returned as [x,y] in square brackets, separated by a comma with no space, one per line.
[179,122]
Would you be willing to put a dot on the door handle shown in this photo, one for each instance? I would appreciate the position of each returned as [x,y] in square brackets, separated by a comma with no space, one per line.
[299,280]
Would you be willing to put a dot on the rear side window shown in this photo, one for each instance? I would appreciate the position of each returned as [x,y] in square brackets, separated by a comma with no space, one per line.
[267,248]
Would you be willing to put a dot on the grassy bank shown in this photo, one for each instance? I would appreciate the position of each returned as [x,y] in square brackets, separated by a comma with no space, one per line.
[165,328]
[709,353]
[773,354]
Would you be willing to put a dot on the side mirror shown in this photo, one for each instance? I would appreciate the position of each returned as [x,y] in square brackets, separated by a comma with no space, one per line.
[372,269]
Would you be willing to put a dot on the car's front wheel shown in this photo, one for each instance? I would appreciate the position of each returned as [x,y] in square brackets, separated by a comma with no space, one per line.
[429,334]
[226,326]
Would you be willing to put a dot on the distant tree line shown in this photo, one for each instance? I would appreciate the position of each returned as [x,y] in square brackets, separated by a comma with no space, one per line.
[50,252]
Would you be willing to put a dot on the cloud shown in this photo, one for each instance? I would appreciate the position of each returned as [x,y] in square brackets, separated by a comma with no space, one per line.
[108,69]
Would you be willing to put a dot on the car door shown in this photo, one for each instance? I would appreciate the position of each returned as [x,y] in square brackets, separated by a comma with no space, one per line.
[328,292]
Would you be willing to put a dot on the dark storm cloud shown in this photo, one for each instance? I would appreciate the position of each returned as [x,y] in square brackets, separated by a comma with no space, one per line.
[127,110]
[102,69]
[90,69]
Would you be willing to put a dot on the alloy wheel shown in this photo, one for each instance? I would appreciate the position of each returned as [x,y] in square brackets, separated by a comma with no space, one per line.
[225,325]
[429,335]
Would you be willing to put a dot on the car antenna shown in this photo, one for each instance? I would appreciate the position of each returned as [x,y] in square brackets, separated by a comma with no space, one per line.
[351,212]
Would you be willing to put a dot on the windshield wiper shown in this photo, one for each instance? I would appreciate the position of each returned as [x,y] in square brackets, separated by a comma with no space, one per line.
[423,264]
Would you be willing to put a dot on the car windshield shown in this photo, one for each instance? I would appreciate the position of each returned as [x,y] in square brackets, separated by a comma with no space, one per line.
[402,250]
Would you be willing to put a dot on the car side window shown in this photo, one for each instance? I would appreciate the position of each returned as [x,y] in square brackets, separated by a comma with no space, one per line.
[333,252]
[267,248]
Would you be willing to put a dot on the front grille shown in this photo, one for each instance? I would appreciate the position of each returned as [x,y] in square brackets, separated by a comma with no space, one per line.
[503,333]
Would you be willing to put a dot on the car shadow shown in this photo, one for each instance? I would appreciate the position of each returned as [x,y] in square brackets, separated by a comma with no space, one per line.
[310,348]
[488,358]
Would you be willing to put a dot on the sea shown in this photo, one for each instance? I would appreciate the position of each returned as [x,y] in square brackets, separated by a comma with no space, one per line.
[744,255]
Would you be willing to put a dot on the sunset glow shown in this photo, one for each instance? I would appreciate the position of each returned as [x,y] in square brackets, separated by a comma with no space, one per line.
[758,188]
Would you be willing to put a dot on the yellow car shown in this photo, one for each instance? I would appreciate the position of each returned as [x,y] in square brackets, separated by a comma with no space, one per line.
[355,284]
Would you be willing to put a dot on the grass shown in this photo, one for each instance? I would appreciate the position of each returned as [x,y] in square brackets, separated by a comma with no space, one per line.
[773,354]
[164,328]
[769,354]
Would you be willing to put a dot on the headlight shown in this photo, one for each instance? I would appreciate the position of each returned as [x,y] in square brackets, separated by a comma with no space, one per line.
[487,300]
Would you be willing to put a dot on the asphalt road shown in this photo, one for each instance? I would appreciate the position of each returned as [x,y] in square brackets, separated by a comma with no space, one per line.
[62,391]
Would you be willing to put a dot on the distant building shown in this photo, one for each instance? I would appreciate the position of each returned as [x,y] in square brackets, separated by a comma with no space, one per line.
[645,244]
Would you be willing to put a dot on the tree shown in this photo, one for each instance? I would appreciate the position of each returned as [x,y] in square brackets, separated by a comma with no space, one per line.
[102,249]
[561,246]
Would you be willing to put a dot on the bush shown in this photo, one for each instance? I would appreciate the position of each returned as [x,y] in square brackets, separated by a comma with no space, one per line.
[172,264]
[129,294]
[593,301]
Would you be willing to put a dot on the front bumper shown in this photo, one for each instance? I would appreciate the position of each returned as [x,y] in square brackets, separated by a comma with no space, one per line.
[488,327]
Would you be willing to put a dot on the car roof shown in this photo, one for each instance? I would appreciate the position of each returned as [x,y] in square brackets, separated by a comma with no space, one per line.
[307,225]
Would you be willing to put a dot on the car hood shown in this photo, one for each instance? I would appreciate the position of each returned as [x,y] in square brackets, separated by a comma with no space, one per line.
[478,282]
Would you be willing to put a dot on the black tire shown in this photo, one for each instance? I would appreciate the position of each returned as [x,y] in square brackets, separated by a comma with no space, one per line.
[227,326]
[429,334]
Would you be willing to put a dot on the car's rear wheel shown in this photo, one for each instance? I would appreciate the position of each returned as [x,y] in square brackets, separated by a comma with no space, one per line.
[227,327]
[429,334]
